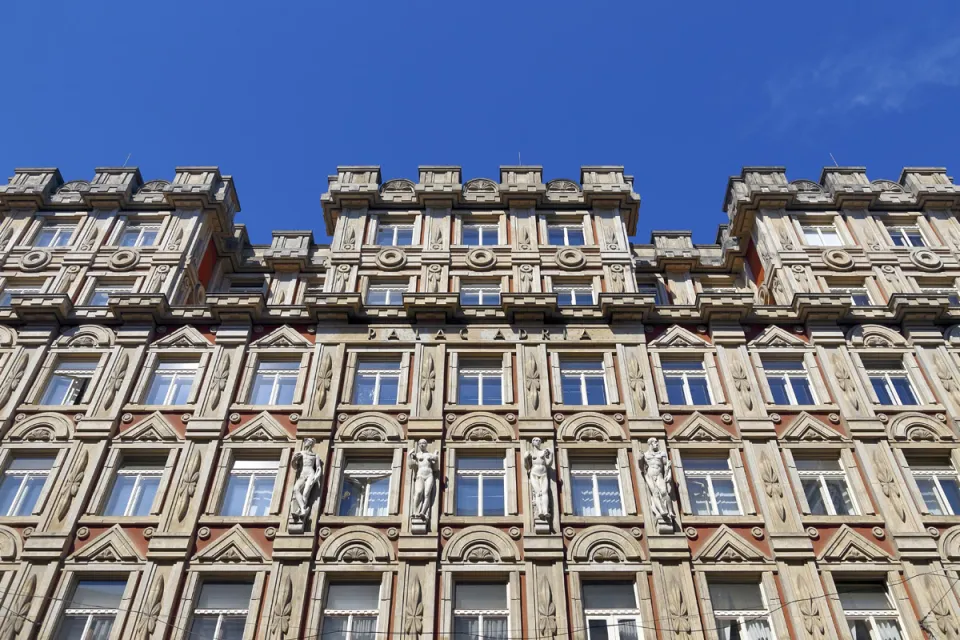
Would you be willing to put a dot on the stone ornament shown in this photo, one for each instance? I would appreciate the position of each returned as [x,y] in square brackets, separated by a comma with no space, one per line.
[570,258]
[12,381]
[844,381]
[481,259]
[946,620]
[279,624]
[436,237]
[657,474]
[188,485]
[434,273]
[413,611]
[525,241]
[563,186]
[349,238]
[741,382]
[772,487]
[340,278]
[532,382]
[616,278]
[813,622]
[526,278]
[72,485]
[480,185]
[124,260]
[926,260]
[391,258]
[888,485]
[424,464]
[13,624]
[147,623]
[546,609]
[537,463]
[428,382]
[35,260]
[116,379]
[324,378]
[837,259]
[220,382]
[679,613]
[309,472]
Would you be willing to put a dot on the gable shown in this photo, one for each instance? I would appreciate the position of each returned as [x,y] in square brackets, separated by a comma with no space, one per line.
[806,428]
[677,336]
[153,428]
[235,545]
[774,336]
[112,545]
[726,546]
[284,336]
[698,428]
[849,546]
[185,336]
[263,428]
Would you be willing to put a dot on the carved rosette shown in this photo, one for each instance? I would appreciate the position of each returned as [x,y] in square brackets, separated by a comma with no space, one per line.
[35,260]
[391,258]
[481,259]
[741,382]
[72,485]
[124,260]
[844,381]
[188,485]
[570,258]
[413,611]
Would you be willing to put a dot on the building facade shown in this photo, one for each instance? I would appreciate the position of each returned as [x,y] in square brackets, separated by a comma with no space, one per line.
[480,412]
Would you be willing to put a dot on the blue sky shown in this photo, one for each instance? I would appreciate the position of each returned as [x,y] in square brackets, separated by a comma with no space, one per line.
[279,93]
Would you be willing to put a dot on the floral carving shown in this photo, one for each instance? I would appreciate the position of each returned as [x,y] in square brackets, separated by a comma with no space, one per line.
[436,238]
[844,381]
[741,383]
[679,614]
[813,623]
[13,624]
[355,554]
[638,383]
[188,485]
[5,237]
[785,241]
[946,378]
[72,486]
[481,554]
[888,484]
[177,240]
[547,610]
[12,381]
[532,382]
[606,554]
[282,610]
[148,620]
[116,379]
[772,486]
[428,382]
[349,237]
[946,621]
[324,378]
[413,612]
[340,278]
[220,382]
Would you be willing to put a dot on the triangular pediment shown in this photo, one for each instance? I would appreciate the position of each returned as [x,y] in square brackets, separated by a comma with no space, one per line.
[235,545]
[677,336]
[699,428]
[112,545]
[263,428]
[185,336]
[153,428]
[806,428]
[774,336]
[726,546]
[849,546]
[284,336]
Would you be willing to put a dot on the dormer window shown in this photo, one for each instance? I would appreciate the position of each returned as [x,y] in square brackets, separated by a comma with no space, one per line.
[394,235]
[821,236]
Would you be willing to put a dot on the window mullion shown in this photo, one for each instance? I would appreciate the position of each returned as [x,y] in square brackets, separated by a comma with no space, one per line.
[713,496]
[249,496]
[596,494]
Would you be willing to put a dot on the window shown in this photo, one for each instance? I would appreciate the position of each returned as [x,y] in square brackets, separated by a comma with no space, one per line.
[91,610]
[891,383]
[249,488]
[789,381]
[652,290]
[869,611]
[740,611]
[583,382]
[939,487]
[245,285]
[9,292]
[385,295]
[102,292]
[825,487]
[480,611]
[378,382]
[947,292]
[595,487]
[567,235]
[573,295]
[23,481]
[351,611]
[611,610]
[366,488]
[821,236]
[171,383]
[859,295]
[710,486]
[134,489]
[394,235]
[481,235]
[221,610]
[487,294]
[481,482]
[906,236]
[480,383]
[686,382]
[68,382]
[275,382]
[53,235]
[139,235]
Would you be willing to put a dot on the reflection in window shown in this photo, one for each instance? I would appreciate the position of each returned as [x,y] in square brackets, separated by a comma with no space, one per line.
[350,612]
[91,610]
[825,487]
[69,382]
[565,235]
[171,383]
[611,610]
[710,486]
[23,480]
[480,611]
[377,382]
[740,611]
[686,382]
[596,488]
[869,610]
[480,488]
[221,610]
[249,488]
[938,486]
[789,381]
[134,489]
[891,382]
[275,382]
[394,235]
[582,382]
[480,383]
[365,490]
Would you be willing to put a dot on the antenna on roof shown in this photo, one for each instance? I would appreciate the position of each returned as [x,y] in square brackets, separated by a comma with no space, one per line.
[128,158]
[834,160]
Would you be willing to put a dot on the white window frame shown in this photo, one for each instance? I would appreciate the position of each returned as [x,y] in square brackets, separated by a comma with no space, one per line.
[220,613]
[394,228]
[901,231]
[583,374]
[711,492]
[61,230]
[349,614]
[821,477]
[934,473]
[612,617]
[871,615]
[480,614]
[855,291]
[179,369]
[484,229]
[577,291]
[142,228]
[251,473]
[685,375]
[566,226]
[89,614]
[645,288]
[886,373]
[483,290]
[75,394]
[378,375]
[770,370]
[25,475]
[385,471]
[141,473]
[481,475]
[276,374]
[392,290]
[108,289]
[9,292]
[817,229]
[479,372]
[742,616]
[593,473]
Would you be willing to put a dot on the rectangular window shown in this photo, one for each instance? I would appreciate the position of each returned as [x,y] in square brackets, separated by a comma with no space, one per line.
[377,382]
[139,235]
[102,292]
[91,610]
[245,285]
[481,235]
[249,488]
[171,383]
[739,610]
[821,236]
[480,295]
[350,612]
[869,611]
[858,295]
[23,480]
[583,382]
[891,383]
[275,382]
[481,482]
[134,489]
[825,487]
[385,295]
[566,235]
[906,236]
[53,235]
[480,611]
[596,488]
[570,295]
[652,290]
[394,235]
[686,382]
[710,486]
[789,381]
[480,383]
[611,610]
[365,490]
[221,610]
[9,292]
[939,486]
[69,382]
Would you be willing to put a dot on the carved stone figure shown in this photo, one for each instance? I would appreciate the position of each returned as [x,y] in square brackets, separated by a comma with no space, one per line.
[424,464]
[309,471]
[537,462]
[657,475]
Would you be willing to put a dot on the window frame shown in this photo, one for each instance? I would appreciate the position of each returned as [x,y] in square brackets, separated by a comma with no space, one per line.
[821,476]
[742,616]
[346,448]
[685,377]
[349,613]
[354,359]
[817,228]
[395,228]
[49,475]
[196,582]
[870,371]
[854,292]
[52,365]
[482,289]
[788,375]
[75,571]
[566,226]
[613,616]
[295,374]
[122,451]
[143,227]
[480,613]
[378,375]
[392,290]
[709,474]
[205,356]
[253,473]
[593,474]
[576,291]
[582,374]
[484,228]
[505,446]
[386,471]
[870,615]
[492,370]
[902,231]
[59,225]
[480,475]
[156,368]
[134,497]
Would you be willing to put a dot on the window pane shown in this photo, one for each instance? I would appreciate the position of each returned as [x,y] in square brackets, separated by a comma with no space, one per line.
[58,390]
[72,628]
[811,489]
[232,628]
[575,237]
[468,496]
[97,594]
[863,597]
[596,391]
[597,630]
[224,595]
[699,393]
[880,388]
[735,596]
[404,236]
[364,628]
[468,390]
[609,489]
[99,299]
[929,492]
[378,497]
[705,464]
[8,492]
[262,493]
[778,389]
[334,627]
[817,464]
[181,389]
[33,486]
[466,627]
[609,595]
[286,386]
[376,296]
[351,497]
[480,596]
[362,596]
[477,462]
[493,498]
[726,497]
[699,494]
[565,298]
[840,496]
[904,391]
[468,297]
[385,235]
[389,386]
[675,393]
[495,628]
[235,495]
[262,388]
[571,389]
[363,390]
[120,496]
[555,235]
[148,491]
[802,390]
[951,489]
[582,493]
[471,235]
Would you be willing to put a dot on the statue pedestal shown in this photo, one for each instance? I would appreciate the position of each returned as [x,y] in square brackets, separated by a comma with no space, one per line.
[295,526]
[664,527]
[418,525]
[541,526]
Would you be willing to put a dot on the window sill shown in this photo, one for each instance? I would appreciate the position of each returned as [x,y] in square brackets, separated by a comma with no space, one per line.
[130,521]
[278,408]
[680,408]
[185,408]
[894,408]
[946,520]
[360,408]
[566,519]
[619,408]
[853,520]
[26,521]
[274,520]
[690,519]
[452,406]
[65,408]
[327,520]
[809,408]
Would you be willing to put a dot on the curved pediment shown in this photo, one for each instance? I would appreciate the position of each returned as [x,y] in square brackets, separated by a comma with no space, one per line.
[590,427]
[481,426]
[370,427]
[356,545]
[603,543]
[480,544]
[875,335]
[42,427]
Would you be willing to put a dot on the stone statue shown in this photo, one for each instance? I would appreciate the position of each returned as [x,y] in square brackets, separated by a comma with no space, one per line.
[537,462]
[657,474]
[309,470]
[424,464]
